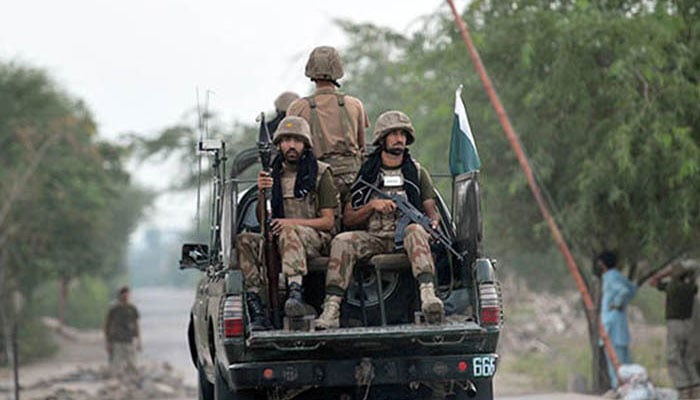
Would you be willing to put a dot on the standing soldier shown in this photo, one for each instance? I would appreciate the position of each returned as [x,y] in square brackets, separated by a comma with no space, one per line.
[282,103]
[122,334]
[303,200]
[391,168]
[337,121]
[680,299]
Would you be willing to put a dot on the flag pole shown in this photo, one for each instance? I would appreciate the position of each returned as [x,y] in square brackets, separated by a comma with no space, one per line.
[525,165]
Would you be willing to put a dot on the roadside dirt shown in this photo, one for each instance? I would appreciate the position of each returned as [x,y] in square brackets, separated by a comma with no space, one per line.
[79,372]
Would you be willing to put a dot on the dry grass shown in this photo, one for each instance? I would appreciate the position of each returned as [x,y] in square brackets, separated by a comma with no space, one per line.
[545,343]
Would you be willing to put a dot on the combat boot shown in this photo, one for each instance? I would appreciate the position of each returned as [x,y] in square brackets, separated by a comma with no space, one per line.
[431,305]
[256,310]
[330,317]
[295,306]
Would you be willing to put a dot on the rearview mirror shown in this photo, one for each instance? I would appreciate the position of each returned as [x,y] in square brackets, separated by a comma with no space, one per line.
[194,255]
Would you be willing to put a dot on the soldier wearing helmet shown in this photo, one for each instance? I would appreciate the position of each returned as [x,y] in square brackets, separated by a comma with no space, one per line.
[282,103]
[391,168]
[303,202]
[337,121]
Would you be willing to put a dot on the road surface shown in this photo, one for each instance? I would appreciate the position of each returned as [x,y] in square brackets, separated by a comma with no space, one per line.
[164,318]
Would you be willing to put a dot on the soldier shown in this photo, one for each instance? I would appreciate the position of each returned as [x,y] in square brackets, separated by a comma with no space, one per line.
[122,334]
[282,103]
[337,121]
[303,201]
[389,167]
[680,299]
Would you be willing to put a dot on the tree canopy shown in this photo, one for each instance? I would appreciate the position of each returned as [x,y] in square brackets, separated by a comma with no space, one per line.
[68,205]
[603,95]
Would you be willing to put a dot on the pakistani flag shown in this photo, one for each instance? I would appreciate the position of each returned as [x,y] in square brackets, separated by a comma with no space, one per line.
[463,154]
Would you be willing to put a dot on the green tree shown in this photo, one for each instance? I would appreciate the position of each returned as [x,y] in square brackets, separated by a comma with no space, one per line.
[604,96]
[70,205]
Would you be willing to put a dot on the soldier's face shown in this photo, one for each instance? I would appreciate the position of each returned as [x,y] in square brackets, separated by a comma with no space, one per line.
[395,142]
[291,148]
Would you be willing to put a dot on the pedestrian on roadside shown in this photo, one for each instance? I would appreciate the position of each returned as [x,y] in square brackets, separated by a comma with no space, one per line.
[122,334]
[681,290]
[617,292]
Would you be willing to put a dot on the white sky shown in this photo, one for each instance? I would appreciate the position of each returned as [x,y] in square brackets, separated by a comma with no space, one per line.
[138,63]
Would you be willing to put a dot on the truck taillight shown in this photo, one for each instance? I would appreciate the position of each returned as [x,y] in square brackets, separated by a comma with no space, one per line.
[232,316]
[489,304]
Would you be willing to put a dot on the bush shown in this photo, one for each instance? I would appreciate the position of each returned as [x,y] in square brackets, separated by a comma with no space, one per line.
[35,341]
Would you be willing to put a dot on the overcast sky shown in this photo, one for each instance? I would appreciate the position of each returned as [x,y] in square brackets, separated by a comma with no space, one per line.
[138,63]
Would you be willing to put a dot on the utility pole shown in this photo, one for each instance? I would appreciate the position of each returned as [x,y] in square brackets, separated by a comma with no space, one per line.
[530,177]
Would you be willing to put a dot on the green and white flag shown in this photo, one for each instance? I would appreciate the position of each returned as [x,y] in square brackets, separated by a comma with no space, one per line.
[463,154]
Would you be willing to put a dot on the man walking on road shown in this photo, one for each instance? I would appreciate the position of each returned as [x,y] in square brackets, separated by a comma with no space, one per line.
[122,334]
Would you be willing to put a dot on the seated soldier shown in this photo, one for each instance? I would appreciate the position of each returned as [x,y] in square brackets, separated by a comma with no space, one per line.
[391,168]
[303,201]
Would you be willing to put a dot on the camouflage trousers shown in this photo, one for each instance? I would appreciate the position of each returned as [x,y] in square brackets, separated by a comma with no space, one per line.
[295,244]
[679,353]
[349,247]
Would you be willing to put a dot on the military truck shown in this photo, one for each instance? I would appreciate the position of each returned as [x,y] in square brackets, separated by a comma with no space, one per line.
[383,348]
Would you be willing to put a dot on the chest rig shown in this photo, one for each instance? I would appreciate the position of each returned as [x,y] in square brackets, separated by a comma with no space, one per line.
[306,207]
[392,182]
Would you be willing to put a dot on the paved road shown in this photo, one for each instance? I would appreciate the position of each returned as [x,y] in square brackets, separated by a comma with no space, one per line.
[164,318]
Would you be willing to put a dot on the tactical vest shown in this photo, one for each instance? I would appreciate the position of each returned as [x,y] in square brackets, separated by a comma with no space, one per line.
[300,208]
[349,161]
[393,181]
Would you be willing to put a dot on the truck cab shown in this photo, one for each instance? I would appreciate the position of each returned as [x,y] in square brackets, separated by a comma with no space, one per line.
[383,349]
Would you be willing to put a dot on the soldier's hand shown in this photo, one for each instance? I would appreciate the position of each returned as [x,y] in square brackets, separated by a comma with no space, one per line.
[278,224]
[384,206]
[264,180]
[434,224]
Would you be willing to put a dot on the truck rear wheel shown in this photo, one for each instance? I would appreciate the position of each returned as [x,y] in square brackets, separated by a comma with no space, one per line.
[399,290]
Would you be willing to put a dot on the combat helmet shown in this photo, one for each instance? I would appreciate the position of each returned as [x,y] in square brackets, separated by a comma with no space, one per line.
[390,121]
[283,101]
[293,126]
[324,64]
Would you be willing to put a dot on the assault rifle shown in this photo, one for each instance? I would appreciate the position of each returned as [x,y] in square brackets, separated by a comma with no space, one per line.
[272,257]
[412,215]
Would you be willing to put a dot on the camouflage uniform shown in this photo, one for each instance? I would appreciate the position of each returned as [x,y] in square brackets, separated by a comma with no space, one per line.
[295,243]
[349,247]
[337,121]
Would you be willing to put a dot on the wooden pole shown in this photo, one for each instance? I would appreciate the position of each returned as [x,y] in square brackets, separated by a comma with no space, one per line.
[525,165]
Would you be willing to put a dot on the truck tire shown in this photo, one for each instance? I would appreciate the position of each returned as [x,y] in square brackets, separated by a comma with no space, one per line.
[205,389]
[399,299]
